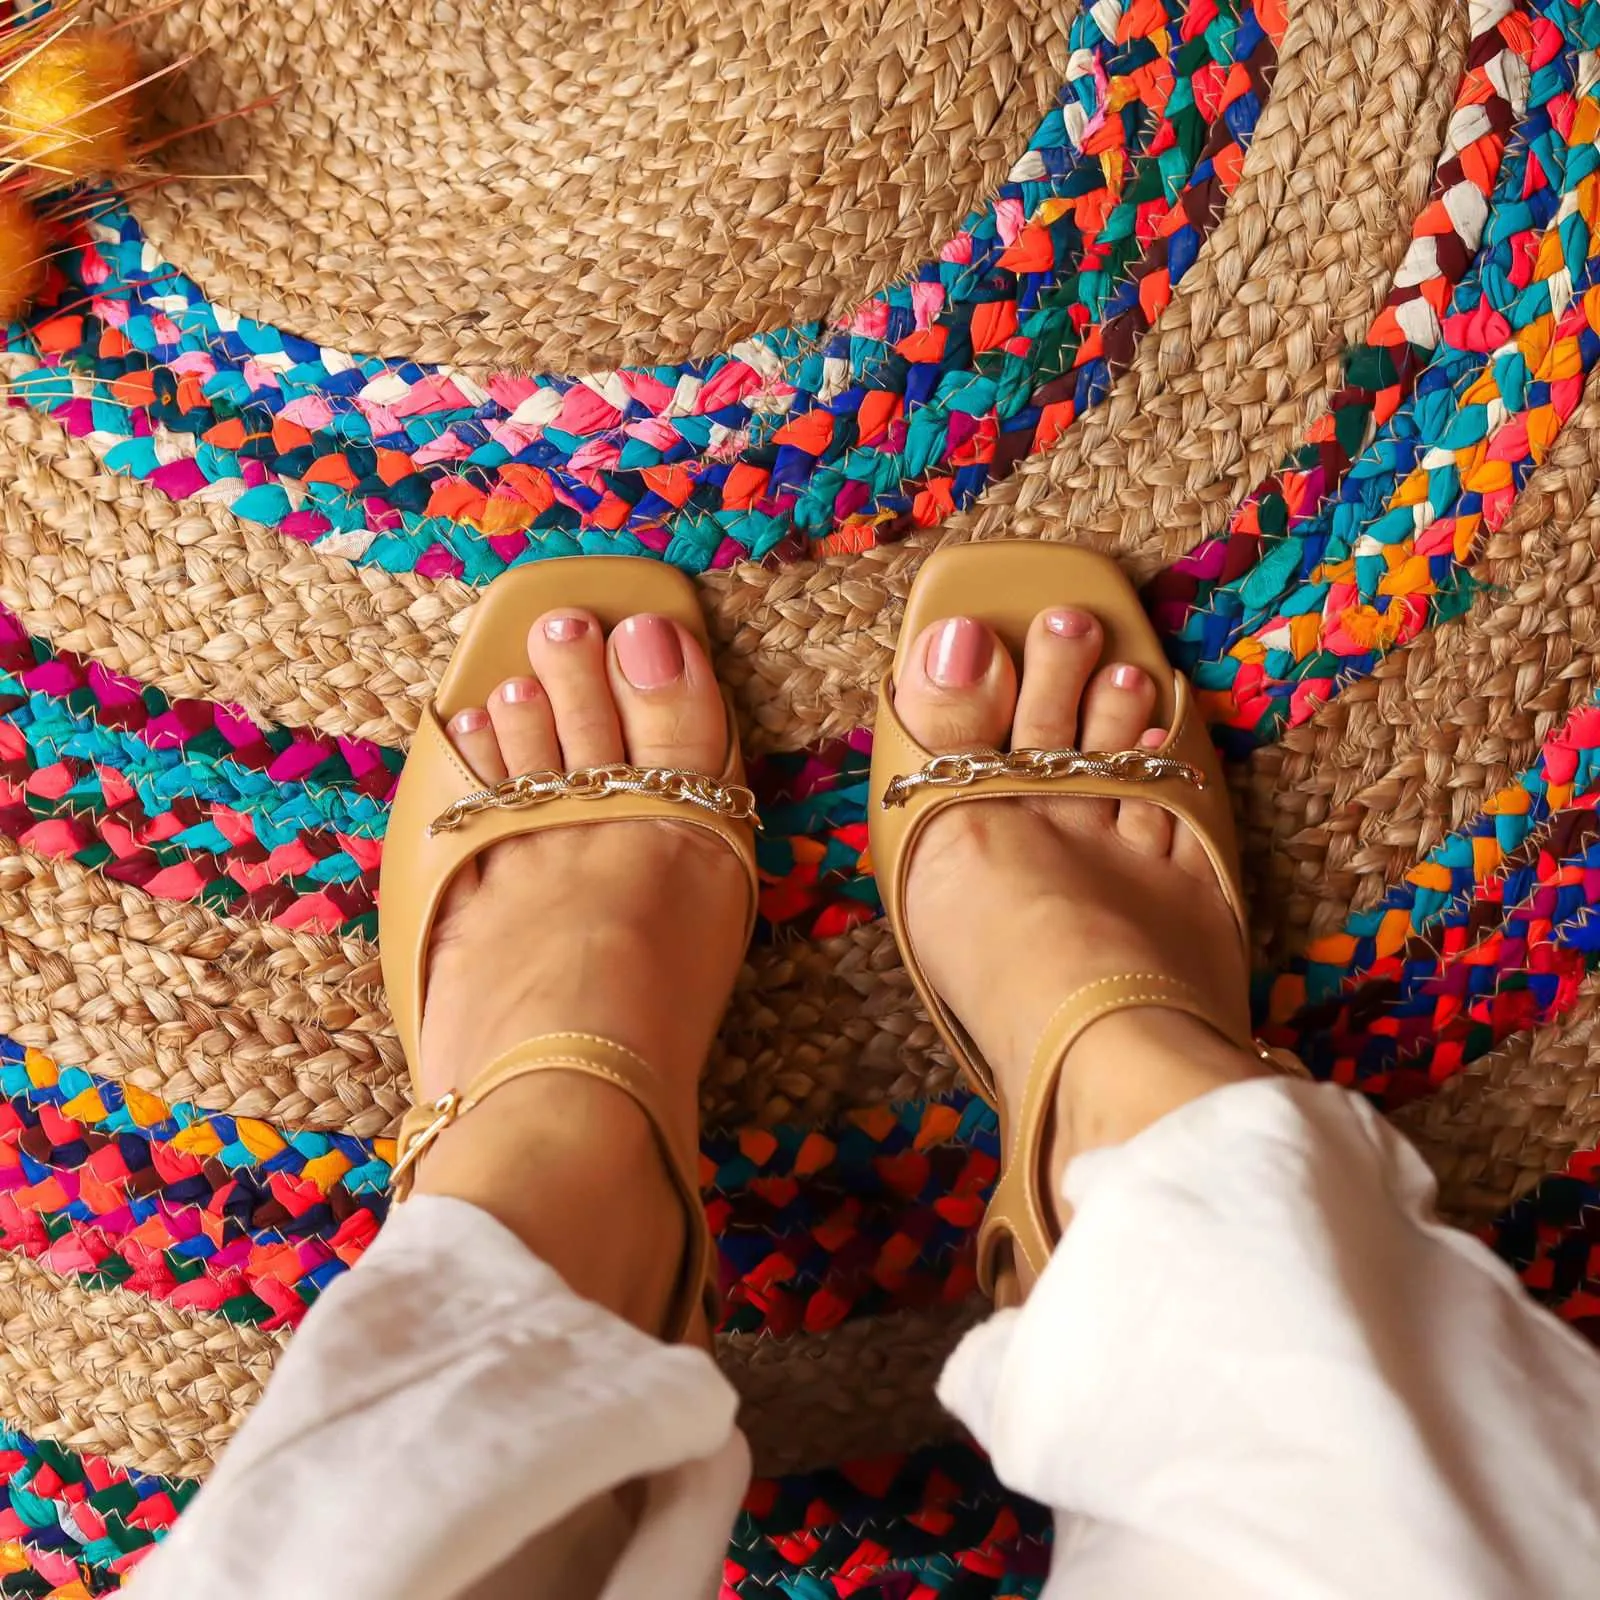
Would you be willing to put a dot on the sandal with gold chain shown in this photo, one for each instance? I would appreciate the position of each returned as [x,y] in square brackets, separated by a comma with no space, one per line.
[443,816]
[1005,585]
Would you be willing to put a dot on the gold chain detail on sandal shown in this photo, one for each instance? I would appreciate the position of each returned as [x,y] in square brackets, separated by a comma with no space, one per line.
[957,771]
[729,800]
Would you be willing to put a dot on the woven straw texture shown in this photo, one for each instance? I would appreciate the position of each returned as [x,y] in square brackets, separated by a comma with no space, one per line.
[1293,308]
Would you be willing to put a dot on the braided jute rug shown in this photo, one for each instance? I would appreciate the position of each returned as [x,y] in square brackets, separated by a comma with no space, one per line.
[1293,307]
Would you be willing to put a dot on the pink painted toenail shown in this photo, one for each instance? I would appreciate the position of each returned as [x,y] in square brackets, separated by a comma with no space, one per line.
[563,630]
[518,691]
[648,652]
[1128,677]
[1069,624]
[959,653]
[473,720]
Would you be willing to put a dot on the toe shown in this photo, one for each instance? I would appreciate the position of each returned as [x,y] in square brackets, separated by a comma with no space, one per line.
[525,727]
[1063,646]
[666,694]
[1116,709]
[472,733]
[1146,827]
[568,652]
[958,688]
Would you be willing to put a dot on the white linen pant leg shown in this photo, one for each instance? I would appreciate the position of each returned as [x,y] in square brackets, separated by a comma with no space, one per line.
[444,1403]
[1256,1366]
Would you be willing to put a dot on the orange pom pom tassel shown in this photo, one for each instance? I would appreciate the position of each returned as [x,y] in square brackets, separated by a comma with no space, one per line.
[24,245]
[68,108]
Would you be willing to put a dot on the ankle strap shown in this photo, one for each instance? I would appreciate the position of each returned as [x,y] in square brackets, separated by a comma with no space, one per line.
[1018,1214]
[591,1056]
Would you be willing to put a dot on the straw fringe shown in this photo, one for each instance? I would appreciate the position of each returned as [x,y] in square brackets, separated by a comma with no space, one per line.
[1348,801]
[116,1374]
[691,172]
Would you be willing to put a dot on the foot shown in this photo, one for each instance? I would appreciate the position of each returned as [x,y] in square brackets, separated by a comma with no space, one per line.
[1013,904]
[633,930]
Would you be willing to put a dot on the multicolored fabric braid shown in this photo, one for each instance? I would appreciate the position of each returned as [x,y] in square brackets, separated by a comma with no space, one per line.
[205,1211]
[796,442]
[1367,567]
[1490,935]
[1383,370]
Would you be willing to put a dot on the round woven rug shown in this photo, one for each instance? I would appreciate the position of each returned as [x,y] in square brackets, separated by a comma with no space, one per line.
[1292,308]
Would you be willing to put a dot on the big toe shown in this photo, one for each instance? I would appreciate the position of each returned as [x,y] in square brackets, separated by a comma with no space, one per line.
[668,703]
[957,689]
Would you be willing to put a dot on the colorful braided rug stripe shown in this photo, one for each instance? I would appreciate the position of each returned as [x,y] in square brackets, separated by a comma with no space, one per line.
[935,1520]
[804,442]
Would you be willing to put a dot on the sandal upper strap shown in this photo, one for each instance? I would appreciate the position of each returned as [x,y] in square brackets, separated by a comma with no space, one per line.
[447,817]
[589,1055]
[1018,1214]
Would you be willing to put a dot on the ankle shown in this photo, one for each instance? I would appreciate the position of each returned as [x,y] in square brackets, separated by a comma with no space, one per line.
[572,1167]
[1130,1070]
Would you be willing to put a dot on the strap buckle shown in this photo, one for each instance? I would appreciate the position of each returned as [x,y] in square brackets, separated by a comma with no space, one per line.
[445,1111]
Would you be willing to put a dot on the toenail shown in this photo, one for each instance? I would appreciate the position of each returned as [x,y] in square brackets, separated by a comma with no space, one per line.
[959,653]
[1069,624]
[472,720]
[563,630]
[648,652]
[518,691]
[1127,677]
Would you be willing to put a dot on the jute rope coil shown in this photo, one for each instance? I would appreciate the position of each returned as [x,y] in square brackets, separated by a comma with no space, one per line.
[1251,346]
[238,1016]
[116,1374]
[198,603]
[1217,390]
[162,1389]
[263,1021]
[863,1389]
[572,189]
[292,1028]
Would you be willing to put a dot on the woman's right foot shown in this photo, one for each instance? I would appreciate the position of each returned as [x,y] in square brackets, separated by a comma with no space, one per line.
[1013,904]
[630,930]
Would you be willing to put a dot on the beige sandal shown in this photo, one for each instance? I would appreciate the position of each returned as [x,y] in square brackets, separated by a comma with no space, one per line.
[443,816]
[1006,585]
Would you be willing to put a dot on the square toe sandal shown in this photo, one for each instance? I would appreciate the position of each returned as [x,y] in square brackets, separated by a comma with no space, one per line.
[443,816]
[1006,584]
